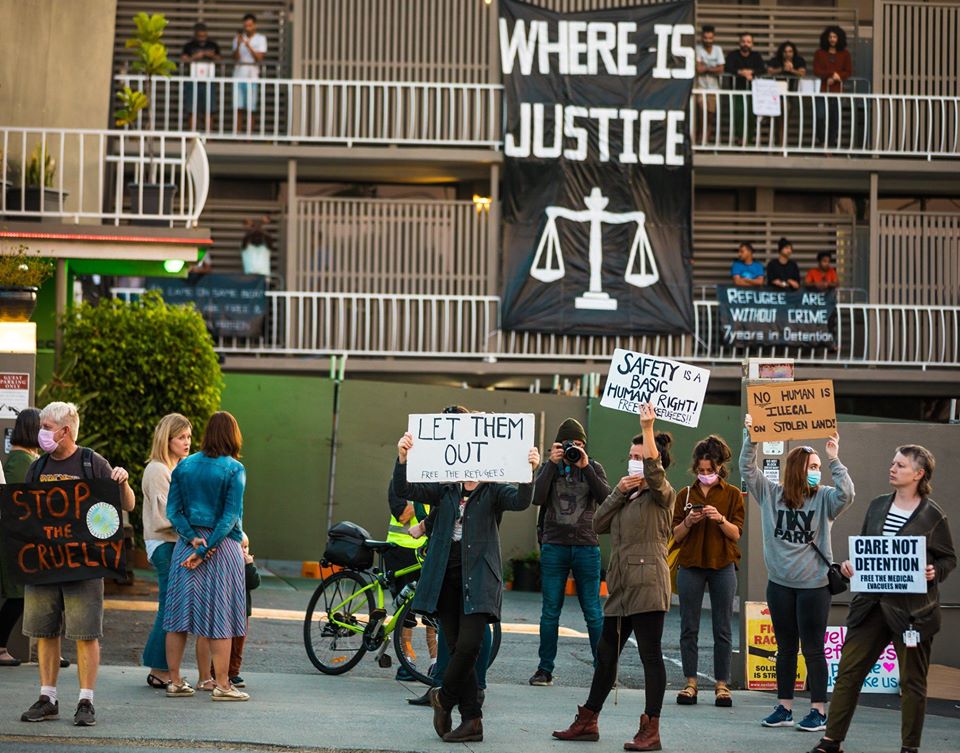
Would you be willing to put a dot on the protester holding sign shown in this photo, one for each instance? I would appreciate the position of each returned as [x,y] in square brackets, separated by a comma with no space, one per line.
[78,603]
[707,523]
[206,594]
[796,517]
[23,451]
[171,444]
[910,620]
[461,582]
[637,516]
[569,488]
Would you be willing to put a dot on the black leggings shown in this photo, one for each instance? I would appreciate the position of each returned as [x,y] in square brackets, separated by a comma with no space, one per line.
[800,615]
[9,614]
[647,628]
[463,633]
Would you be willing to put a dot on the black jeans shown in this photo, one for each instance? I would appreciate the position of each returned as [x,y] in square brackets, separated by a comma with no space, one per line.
[9,614]
[463,633]
[799,616]
[647,628]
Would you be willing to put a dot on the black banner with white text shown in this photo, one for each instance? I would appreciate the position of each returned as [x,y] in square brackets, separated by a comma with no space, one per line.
[597,180]
[755,316]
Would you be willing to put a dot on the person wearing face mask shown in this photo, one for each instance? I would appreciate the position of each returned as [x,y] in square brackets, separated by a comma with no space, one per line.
[796,518]
[637,515]
[707,523]
[461,582]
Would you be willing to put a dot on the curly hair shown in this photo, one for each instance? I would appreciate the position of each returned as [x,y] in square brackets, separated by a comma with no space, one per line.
[778,57]
[841,38]
[714,449]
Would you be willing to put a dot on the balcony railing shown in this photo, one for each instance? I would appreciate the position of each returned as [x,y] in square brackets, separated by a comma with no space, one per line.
[111,176]
[467,328]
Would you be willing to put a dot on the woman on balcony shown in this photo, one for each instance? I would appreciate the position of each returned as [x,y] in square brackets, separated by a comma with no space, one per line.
[833,65]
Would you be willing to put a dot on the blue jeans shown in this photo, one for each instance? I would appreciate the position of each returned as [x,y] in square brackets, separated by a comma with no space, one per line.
[556,563]
[691,583]
[155,652]
[443,658]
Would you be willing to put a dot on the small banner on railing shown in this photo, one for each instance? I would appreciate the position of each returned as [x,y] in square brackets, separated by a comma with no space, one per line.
[597,179]
[231,305]
[796,318]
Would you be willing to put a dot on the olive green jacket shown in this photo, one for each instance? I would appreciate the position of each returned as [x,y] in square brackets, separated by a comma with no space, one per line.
[638,578]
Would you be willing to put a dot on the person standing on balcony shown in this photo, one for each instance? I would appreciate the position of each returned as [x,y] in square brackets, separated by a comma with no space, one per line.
[200,95]
[833,65]
[744,64]
[745,272]
[249,50]
[710,62]
[783,272]
[569,488]
[824,275]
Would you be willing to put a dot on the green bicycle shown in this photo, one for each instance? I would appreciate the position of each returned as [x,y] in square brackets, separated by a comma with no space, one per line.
[346,618]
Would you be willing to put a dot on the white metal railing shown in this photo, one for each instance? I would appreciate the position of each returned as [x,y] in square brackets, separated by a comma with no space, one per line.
[467,328]
[326,111]
[107,175]
[870,125]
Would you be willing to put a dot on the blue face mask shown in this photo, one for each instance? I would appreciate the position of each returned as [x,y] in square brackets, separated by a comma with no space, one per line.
[813,478]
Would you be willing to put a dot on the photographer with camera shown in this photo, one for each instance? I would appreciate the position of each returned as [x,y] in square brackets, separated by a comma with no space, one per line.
[569,488]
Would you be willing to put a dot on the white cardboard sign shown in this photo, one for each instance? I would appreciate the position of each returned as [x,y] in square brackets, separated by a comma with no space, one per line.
[884,675]
[766,97]
[676,389]
[889,564]
[451,447]
[14,394]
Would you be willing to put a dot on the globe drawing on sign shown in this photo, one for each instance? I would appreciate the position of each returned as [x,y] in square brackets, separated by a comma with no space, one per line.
[103,520]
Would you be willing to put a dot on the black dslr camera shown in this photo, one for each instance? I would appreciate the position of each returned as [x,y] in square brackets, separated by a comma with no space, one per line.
[571,453]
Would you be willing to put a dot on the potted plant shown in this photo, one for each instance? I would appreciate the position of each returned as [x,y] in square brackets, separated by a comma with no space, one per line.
[21,275]
[526,572]
[151,60]
[37,192]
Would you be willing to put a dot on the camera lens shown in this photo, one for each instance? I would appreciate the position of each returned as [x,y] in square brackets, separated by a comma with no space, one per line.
[572,453]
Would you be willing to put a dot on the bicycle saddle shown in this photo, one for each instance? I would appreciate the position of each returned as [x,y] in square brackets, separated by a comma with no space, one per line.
[378,546]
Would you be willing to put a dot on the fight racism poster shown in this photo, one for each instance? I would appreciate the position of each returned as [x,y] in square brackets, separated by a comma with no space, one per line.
[597,178]
[62,531]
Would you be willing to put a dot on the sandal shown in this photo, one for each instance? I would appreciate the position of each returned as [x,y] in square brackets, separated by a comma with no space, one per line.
[208,685]
[179,690]
[827,746]
[155,682]
[722,696]
[688,696]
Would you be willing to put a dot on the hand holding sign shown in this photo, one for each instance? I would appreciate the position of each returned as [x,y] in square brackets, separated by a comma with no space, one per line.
[404,446]
[833,446]
[533,457]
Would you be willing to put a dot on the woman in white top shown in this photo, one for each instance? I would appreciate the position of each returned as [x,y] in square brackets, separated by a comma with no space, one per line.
[171,443]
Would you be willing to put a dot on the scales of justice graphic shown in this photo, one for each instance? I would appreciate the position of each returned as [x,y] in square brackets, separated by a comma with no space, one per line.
[548,266]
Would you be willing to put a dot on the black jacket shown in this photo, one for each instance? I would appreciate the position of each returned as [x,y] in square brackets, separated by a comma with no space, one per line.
[568,502]
[480,545]
[900,610]
[737,62]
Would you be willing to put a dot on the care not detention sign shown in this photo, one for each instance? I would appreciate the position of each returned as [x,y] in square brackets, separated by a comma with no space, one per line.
[452,447]
[889,564]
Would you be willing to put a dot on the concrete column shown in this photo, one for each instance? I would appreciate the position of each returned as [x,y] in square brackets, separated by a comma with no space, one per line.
[60,294]
[291,250]
[874,257]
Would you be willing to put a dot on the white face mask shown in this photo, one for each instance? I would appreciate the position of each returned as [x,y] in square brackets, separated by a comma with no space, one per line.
[635,468]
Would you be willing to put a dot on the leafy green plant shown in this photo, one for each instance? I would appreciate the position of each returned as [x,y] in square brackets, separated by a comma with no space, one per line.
[23,269]
[132,103]
[41,168]
[129,365]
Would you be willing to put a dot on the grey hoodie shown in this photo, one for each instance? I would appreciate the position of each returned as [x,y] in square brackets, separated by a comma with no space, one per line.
[789,558]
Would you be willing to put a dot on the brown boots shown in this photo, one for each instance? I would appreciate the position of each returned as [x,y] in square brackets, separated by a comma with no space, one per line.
[469,731]
[584,727]
[647,737]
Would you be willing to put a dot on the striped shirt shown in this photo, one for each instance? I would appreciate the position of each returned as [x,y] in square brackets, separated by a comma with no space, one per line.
[895,520]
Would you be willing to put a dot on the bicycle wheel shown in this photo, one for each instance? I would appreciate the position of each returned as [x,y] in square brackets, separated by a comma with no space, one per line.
[495,644]
[334,646]
[415,643]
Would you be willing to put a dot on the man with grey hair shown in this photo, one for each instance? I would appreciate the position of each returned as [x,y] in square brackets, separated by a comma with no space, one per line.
[79,602]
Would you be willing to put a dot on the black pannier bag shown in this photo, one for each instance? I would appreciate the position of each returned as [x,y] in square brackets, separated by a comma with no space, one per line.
[345,547]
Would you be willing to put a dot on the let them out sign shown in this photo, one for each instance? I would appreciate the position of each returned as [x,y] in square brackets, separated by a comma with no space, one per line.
[62,531]
[451,447]
[889,564]
[791,410]
[677,390]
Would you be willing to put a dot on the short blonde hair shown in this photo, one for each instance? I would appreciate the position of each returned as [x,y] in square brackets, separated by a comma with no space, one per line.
[63,414]
[170,426]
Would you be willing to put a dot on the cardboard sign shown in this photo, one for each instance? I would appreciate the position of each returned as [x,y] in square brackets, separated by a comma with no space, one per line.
[884,675]
[791,410]
[449,447]
[62,531]
[889,564]
[14,394]
[676,389]
[765,94]
[762,650]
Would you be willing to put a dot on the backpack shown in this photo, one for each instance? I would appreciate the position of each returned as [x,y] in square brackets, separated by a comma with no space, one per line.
[86,464]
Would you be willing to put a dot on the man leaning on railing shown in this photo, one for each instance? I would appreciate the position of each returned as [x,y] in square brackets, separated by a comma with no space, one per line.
[202,54]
